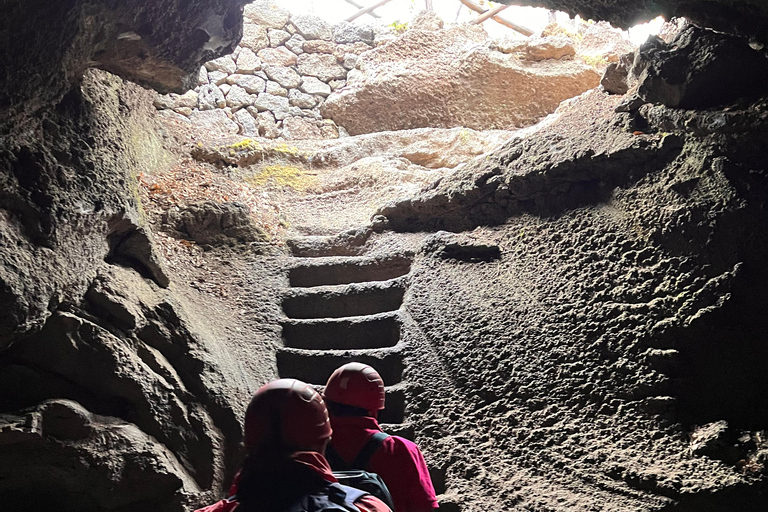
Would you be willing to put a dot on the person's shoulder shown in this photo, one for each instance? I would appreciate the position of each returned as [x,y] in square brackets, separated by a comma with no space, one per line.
[401,446]
[402,442]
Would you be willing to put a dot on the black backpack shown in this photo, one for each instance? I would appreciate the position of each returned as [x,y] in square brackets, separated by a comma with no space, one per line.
[336,497]
[355,474]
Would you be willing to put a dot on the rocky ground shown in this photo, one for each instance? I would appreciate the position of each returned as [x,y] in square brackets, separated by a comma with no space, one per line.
[558,383]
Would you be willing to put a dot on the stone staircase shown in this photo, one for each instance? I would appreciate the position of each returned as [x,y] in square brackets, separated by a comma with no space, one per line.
[347,308]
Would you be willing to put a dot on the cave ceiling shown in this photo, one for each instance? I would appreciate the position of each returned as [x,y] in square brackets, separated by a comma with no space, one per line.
[744,17]
[161,43]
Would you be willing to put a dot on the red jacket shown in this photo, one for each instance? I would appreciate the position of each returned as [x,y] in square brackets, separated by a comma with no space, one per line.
[398,462]
[317,464]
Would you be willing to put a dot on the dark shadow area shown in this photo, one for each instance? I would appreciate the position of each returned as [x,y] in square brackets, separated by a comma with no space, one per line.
[345,303]
[315,368]
[394,410]
[349,272]
[722,371]
[327,334]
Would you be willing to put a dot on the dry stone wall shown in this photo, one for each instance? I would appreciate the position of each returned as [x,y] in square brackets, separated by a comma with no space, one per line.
[277,78]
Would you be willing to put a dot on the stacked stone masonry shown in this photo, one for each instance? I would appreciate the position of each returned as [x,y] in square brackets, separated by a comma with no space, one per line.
[277,78]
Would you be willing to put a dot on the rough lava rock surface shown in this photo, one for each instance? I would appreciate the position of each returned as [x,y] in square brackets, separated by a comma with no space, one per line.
[609,356]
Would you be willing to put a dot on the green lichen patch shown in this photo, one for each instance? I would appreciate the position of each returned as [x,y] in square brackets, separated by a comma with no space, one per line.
[285,176]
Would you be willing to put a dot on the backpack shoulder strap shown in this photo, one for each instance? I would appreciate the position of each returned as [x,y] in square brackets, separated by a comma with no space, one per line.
[335,460]
[348,495]
[364,456]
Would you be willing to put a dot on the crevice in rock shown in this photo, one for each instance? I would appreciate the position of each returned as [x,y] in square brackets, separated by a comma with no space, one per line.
[131,246]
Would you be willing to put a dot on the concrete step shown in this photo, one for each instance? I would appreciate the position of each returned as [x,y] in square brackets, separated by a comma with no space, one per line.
[344,301]
[331,271]
[359,332]
[315,367]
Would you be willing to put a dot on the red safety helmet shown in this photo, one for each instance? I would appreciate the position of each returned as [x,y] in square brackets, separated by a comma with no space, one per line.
[286,414]
[356,384]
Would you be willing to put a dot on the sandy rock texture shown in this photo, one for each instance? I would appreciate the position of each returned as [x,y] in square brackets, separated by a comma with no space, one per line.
[451,77]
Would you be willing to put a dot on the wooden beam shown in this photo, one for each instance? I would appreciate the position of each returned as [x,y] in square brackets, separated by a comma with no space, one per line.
[488,14]
[514,26]
[355,4]
[367,10]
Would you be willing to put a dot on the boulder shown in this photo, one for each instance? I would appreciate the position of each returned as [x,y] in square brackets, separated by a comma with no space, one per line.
[266,13]
[202,76]
[319,46]
[554,47]
[251,84]
[328,129]
[237,97]
[284,76]
[312,27]
[615,78]
[320,65]
[277,37]
[277,57]
[346,32]
[165,101]
[216,120]
[312,85]
[247,123]
[276,89]
[350,60]
[296,44]
[210,223]
[300,99]
[267,125]
[451,78]
[217,77]
[254,37]
[225,64]
[298,128]
[278,105]
[247,62]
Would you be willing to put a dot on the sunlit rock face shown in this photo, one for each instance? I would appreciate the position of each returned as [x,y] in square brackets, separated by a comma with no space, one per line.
[451,77]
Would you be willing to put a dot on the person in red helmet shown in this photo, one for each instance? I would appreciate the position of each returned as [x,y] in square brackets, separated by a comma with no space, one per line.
[286,432]
[354,395]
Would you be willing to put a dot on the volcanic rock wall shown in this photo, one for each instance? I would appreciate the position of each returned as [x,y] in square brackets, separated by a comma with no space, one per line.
[613,356]
[275,81]
[612,359]
[95,415]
